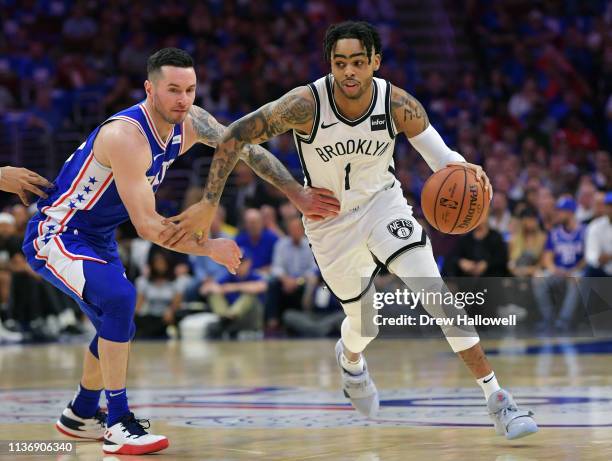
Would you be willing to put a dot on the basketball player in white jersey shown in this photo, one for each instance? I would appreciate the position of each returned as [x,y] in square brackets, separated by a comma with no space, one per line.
[344,126]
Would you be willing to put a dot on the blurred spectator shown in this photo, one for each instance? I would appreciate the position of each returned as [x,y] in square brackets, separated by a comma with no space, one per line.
[204,268]
[268,214]
[248,193]
[598,244]
[235,299]
[481,253]
[78,27]
[586,201]
[257,240]
[294,274]
[526,245]
[10,245]
[563,261]
[159,297]
[602,177]
[499,214]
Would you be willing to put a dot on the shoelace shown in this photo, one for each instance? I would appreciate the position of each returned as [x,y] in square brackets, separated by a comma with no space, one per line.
[100,416]
[136,426]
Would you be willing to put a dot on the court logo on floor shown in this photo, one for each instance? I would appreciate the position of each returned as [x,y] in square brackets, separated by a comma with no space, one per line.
[288,407]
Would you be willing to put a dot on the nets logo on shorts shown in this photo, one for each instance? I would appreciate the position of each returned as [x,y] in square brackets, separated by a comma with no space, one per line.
[401,228]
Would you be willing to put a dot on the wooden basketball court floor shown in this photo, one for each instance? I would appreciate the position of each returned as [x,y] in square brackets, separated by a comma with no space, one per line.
[280,400]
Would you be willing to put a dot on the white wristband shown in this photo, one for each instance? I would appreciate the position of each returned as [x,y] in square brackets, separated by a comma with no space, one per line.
[433,149]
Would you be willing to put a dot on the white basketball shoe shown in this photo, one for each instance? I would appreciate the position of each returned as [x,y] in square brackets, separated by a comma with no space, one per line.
[73,425]
[508,419]
[129,437]
[359,389]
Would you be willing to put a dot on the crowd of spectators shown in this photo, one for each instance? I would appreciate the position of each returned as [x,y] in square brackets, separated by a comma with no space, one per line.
[534,107]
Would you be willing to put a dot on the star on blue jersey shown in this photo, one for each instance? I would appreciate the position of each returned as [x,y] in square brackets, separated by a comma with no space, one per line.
[92,180]
[87,189]
[80,197]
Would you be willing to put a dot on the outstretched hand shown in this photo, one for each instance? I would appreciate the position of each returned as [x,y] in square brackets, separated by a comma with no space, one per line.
[316,203]
[224,252]
[20,180]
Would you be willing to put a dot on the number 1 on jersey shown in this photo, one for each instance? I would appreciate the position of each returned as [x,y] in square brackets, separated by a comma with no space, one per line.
[347,170]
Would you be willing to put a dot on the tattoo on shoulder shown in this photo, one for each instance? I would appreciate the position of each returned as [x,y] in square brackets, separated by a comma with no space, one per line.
[274,118]
[207,129]
[408,108]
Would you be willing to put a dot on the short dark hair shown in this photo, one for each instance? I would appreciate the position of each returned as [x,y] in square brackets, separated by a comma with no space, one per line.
[361,30]
[168,57]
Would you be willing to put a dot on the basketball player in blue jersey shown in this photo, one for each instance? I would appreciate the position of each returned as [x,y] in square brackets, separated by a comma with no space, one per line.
[344,126]
[110,178]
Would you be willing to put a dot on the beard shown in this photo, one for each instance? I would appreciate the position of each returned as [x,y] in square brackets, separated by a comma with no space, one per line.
[169,117]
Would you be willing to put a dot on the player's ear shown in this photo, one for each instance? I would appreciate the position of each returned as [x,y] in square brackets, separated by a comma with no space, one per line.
[148,86]
[376,60]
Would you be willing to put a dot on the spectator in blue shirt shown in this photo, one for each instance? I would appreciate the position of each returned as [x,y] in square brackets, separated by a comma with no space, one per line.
[236,300]
[257,240]
[563,260]
[204,268]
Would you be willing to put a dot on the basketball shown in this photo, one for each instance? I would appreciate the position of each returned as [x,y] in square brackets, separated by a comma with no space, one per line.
[454,201]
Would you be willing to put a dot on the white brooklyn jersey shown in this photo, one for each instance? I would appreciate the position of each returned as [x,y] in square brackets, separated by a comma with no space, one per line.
[352,158]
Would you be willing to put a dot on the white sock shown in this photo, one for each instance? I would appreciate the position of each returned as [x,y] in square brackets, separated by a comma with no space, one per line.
[488,384]
[353,368]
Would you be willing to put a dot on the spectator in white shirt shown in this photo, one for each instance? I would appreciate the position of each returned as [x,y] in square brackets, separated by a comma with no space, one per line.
[598,245]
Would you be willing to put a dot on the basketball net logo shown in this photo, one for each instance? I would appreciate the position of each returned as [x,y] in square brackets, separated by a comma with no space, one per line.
[401,228]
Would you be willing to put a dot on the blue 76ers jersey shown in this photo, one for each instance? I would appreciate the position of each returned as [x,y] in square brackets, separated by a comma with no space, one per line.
[85,200]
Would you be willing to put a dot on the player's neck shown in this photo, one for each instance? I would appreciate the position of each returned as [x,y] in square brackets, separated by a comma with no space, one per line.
[162,127]
[353,108]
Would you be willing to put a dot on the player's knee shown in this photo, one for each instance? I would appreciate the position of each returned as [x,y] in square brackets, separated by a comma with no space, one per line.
[415,263]
[118,314]
[121,302]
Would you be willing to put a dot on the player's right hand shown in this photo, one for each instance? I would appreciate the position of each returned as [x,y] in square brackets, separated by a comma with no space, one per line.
[223,251]
[20,180]
[316,203]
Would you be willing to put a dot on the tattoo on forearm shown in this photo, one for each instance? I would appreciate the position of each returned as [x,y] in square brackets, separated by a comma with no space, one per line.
[273,119]
[267,166]
[207,129]
[406,107]
[269,121]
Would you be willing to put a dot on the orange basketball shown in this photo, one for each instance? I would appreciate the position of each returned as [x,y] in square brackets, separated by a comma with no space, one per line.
[453,201]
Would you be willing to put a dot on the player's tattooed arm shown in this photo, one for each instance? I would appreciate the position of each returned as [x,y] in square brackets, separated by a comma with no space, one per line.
[294,110]
[408,113]
[206,127]
[210,132]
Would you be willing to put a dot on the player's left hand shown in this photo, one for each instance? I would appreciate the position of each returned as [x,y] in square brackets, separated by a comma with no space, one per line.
[193,222]
[224,252]
[480,175]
